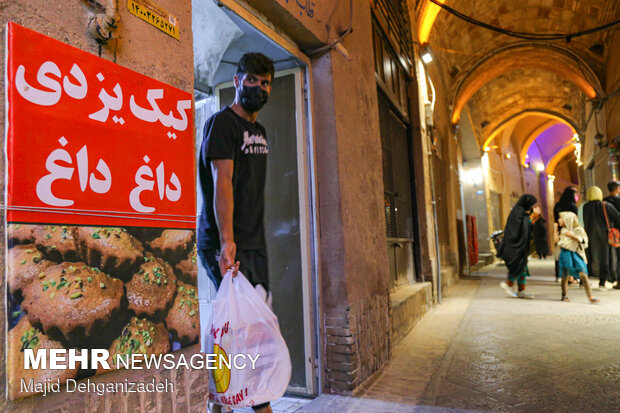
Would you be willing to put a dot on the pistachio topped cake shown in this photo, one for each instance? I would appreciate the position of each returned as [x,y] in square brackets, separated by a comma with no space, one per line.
[187,270]
[56,242]
[25,336]
[173,244]
[19,234]
[24,264]
[73,302]
[183,319]
[139,336]
[151,289]
[113,250]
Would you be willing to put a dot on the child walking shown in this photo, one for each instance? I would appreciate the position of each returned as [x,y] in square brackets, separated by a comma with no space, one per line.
[573,242]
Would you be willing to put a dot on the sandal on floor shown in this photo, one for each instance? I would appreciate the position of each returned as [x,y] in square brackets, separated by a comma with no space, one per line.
[565,299]
[594,300]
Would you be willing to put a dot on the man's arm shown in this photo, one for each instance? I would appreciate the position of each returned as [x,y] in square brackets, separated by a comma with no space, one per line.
[612,212]
[223,205]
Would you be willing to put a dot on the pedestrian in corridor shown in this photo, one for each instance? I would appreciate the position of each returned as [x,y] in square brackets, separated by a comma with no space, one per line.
[566,203]
[539,232]
[233,166]
[573,242]
[517,235]
[614,199]
[601,256]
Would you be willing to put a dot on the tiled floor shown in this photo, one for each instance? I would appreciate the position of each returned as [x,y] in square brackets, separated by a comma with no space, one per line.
[482,351]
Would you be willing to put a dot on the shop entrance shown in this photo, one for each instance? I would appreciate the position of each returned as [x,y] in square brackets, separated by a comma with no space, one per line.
[221,37]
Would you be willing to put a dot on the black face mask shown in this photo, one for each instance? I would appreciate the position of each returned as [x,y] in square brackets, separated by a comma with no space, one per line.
[253,98]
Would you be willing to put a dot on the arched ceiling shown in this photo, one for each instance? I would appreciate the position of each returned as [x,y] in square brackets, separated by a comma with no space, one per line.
[496,76]
[563,152]
[537,138]
[522,90]
[566,169]
[525,126]
[532,134]
[541,58]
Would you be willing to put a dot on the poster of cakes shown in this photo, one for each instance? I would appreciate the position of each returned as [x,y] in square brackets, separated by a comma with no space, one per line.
[100,238]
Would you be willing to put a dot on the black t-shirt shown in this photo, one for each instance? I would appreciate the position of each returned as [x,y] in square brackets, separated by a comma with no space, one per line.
[229,136]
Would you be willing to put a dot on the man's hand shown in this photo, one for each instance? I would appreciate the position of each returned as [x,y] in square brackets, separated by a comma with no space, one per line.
[227,258]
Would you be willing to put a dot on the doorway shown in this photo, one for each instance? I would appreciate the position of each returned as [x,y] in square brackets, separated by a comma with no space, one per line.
[221,37]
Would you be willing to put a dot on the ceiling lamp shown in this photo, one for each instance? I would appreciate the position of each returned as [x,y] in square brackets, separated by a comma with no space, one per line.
[426,55]
[578,153]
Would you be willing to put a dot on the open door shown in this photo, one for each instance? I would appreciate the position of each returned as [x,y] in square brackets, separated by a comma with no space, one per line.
[286,218]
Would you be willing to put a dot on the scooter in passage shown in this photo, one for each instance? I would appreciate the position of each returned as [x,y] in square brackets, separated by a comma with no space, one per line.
[498,242]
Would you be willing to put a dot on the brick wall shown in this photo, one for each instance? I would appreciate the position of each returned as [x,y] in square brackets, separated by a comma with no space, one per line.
[354,266]
[356,342]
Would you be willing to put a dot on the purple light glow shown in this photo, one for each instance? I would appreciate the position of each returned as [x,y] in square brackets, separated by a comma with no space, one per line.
[548,143]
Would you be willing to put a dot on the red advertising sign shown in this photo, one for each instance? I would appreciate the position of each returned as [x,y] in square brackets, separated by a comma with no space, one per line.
[91,142]
[101,253]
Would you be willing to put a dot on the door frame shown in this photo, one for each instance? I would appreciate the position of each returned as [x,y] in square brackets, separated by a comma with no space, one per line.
[308,174]
[305,227]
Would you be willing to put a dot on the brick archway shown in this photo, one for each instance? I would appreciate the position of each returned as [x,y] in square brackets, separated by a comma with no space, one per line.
[557,157]
[537,56]
[552,117]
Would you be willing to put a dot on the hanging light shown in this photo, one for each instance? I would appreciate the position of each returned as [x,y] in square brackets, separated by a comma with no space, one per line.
[578,153]
[426,55]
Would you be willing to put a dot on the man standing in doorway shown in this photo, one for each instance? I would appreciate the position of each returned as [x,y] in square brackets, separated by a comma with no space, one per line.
[614,199]
[232,169]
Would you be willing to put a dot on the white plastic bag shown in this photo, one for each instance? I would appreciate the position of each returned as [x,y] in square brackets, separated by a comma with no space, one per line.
[243,326]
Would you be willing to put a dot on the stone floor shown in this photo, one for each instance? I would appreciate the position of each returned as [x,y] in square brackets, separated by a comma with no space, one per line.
[482,351]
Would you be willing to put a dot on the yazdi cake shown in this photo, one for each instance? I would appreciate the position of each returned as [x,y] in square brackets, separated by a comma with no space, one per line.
[25,336]
[24,264]
[19,234]
[173,244]
[139,336]
[187,270]
[113,250]
[56,242]
[74,302]
[183,320]
[145,234]
[151,289]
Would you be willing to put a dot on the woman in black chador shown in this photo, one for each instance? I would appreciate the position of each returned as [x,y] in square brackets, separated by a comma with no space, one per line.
[601,261]
[517,235]
[539,231]
[567,203]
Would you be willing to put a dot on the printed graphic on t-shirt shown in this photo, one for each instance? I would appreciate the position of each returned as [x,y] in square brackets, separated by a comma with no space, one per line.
[253,144]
